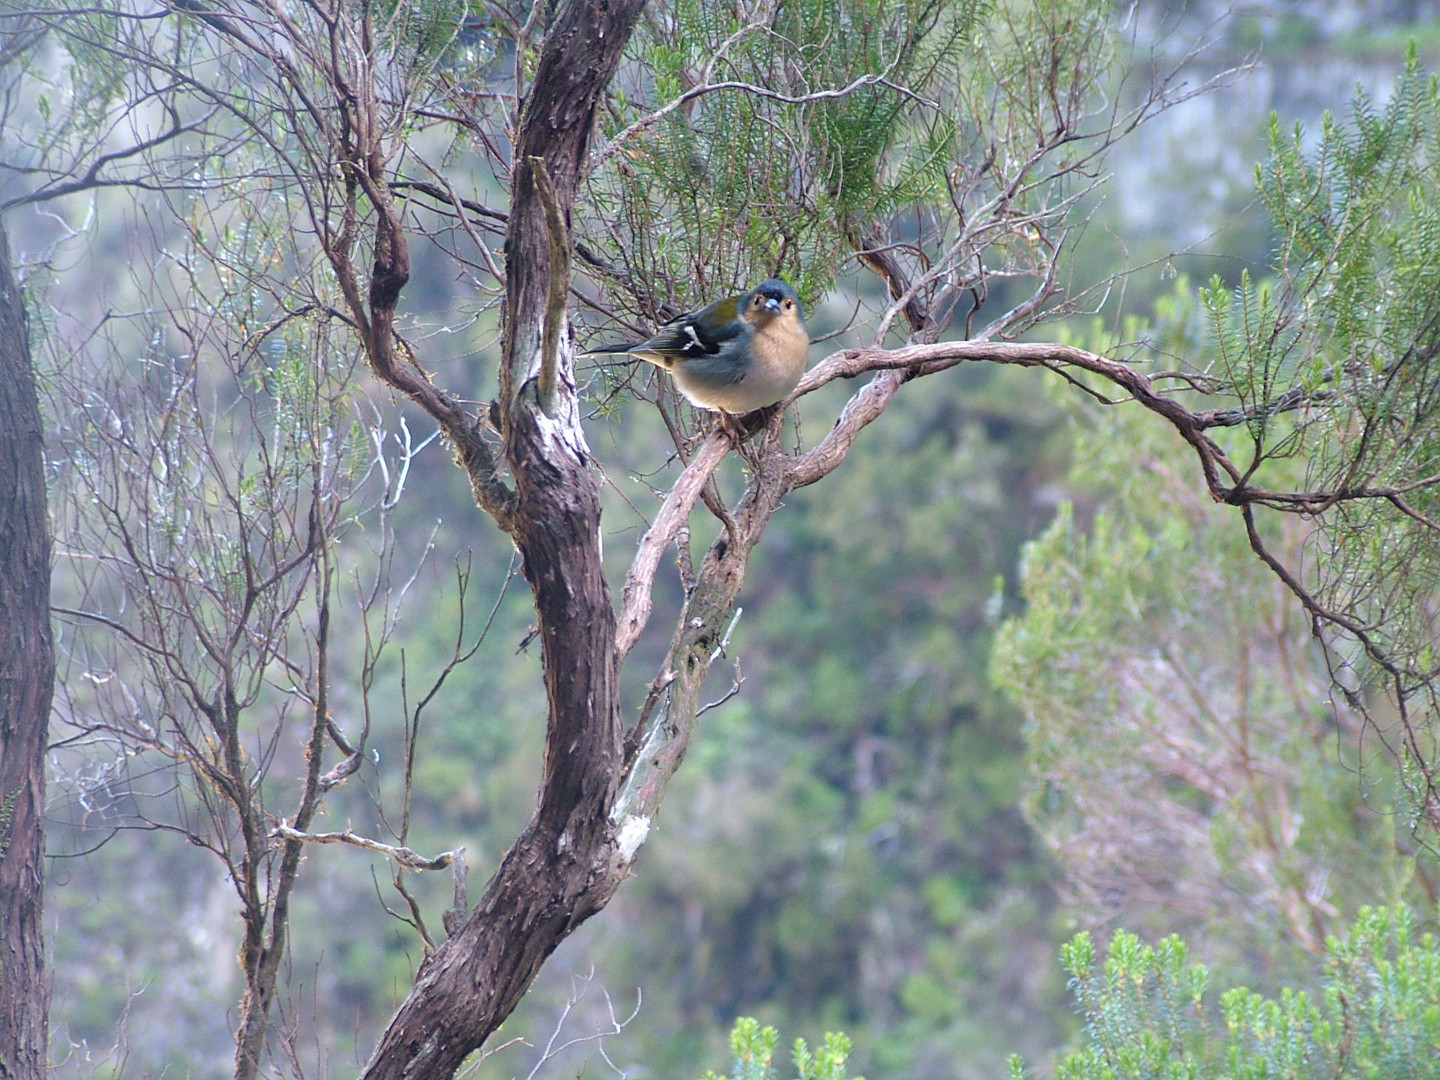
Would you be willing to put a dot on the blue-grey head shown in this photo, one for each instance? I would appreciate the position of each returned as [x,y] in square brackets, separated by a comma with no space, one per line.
[772,297]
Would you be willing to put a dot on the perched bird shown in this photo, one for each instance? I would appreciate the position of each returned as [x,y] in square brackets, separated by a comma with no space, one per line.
[735,355]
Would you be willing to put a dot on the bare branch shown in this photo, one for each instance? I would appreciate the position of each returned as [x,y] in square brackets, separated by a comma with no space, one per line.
[916,360]
[635,600]
[402,855]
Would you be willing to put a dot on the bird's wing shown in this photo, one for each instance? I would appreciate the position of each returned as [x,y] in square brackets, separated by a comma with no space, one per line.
[697,334]
[701,333]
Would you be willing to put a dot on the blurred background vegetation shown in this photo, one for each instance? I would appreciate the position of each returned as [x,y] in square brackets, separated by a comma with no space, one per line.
[943,759]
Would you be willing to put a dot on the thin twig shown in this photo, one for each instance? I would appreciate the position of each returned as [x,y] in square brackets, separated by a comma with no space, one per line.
[613,146]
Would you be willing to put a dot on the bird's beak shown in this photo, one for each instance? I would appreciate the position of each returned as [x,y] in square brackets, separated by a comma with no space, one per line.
[772,305]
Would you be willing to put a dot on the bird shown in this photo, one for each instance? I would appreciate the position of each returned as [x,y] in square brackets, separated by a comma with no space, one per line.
[733,356]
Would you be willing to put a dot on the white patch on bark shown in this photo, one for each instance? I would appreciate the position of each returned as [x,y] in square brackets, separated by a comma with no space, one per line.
[631,834]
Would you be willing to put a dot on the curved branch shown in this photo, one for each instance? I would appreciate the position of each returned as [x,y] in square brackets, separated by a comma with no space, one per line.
[1429,796]
[656,747]
[1222,478]
[635,600]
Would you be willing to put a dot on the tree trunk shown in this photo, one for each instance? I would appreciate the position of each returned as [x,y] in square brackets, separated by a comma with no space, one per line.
[567,864]
[27,681]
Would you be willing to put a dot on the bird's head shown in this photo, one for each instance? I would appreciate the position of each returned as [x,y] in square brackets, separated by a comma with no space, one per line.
[772,299]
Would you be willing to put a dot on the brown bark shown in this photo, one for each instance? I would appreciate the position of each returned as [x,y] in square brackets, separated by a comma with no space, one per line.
[566,865]
[27,679]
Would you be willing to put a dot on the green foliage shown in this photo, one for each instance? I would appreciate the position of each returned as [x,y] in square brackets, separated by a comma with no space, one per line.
[75,101]
[942,133]
[1350,325]
[1353,303]
[1208,788]
[842,848]
[1150,1014]
[429,31]
[1144,1008]
[752,183]
[1356,272]
[754,1050]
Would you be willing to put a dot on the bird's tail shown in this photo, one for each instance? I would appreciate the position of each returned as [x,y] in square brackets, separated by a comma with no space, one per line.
[613,347]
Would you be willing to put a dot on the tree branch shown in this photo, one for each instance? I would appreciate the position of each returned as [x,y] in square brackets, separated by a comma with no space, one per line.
[918,360]
[407,858]
[635,600]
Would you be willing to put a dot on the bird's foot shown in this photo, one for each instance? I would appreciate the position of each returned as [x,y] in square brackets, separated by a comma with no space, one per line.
[732,427]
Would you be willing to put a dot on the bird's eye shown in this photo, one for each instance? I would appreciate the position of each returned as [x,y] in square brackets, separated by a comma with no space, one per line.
[789,304]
